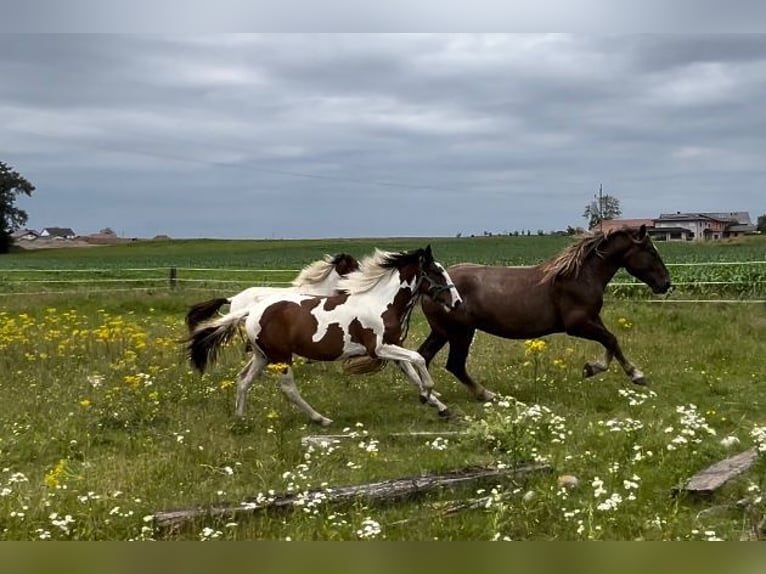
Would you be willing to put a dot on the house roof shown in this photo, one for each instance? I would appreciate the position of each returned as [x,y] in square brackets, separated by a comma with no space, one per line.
[59,231]
[738,217]
[611,224]
[23,232]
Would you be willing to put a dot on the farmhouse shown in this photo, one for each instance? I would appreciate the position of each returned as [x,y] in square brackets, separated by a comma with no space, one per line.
[57,233]
[688,226]
[25,234]
[702,226]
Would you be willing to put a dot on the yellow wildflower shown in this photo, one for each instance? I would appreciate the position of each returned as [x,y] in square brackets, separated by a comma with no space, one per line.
[133,380]
[55,475]
[534,346]
[624,323]
[85,403]
[278,367]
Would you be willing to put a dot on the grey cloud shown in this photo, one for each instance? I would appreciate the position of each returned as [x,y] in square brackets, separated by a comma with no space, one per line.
[327,135]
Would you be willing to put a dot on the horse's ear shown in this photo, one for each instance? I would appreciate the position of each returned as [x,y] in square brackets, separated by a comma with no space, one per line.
[428,253]
[642,232]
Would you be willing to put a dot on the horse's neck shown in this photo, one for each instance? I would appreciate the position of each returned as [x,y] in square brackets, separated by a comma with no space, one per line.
[604,266]
[392,293]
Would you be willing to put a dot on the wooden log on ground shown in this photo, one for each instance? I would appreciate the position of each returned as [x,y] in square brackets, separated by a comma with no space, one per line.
[386,490]
[716,475]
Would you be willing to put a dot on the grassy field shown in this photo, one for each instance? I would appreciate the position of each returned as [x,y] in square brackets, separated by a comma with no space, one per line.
[103,423]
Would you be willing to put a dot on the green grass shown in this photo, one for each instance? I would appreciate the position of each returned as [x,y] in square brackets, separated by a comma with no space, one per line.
[103,420]
[84,433]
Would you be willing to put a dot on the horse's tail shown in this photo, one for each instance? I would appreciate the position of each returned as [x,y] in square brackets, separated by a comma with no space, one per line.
[205,342]
[201,312]
[363,365]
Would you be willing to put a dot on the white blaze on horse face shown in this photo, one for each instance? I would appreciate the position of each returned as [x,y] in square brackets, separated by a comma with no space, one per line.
[454,295]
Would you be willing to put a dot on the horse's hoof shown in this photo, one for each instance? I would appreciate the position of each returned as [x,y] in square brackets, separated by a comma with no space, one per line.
[588,370]
[323,421]
[423,399]
[486,396]
[639,381]
[445,414]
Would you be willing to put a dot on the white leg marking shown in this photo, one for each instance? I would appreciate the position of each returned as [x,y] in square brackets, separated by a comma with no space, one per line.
[397,353]
[247,375]
[432,397]
[287,384]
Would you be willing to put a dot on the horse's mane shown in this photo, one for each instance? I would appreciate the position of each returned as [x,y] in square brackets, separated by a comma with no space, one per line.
[569,261]
[374,268]
[315,272]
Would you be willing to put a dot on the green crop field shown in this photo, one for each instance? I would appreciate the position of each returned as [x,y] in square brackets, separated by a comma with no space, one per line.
[103,424]
[727,269]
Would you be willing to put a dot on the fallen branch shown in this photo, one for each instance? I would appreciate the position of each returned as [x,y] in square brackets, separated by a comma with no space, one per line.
[386,490]
[706,481]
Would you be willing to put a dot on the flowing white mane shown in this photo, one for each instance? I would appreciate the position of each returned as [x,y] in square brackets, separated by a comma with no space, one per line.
[315,272]
[370,273]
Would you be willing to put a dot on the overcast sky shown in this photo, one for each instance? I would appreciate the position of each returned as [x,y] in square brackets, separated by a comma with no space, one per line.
[379,135]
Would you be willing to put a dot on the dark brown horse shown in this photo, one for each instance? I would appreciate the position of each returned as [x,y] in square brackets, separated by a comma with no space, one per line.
[562,295]
[367,319]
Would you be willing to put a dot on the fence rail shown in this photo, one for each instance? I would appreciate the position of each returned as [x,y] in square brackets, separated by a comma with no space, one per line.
[188,278]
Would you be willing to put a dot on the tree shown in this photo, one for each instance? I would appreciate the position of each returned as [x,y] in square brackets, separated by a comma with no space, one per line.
[12,184]
[761,225]
[609,209]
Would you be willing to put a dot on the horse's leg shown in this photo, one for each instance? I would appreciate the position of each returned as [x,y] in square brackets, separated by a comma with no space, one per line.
[595,330]
[249,372]
[431,398]
[432,345]
[413,365]
[459,345]
[287,384]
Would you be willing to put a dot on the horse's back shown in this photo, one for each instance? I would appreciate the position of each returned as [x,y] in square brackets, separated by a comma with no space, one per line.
[511,302]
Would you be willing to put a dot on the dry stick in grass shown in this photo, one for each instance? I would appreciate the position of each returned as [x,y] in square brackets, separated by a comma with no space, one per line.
[386,490]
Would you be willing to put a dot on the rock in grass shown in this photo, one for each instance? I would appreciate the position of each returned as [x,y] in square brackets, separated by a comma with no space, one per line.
[568,481]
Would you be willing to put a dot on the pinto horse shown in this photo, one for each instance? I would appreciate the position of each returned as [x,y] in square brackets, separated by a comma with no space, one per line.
[564,294]
[318,278]
[367,319]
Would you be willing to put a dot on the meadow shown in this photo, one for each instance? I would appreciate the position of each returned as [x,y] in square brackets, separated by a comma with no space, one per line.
[103,423]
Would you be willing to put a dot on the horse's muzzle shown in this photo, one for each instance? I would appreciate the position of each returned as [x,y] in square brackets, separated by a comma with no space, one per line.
[664,288]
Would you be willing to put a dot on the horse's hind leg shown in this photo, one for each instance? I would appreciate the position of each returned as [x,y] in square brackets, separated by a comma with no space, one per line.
[287,384]
[595,330]
[459,345]
[252,369]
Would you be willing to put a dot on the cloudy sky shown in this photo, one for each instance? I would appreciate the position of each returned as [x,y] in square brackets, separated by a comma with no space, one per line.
[379,135]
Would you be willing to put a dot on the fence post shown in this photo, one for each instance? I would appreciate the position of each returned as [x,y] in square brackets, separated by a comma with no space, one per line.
[173,277]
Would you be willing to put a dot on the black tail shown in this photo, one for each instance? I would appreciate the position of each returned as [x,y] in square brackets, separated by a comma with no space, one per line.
[203,311]
[204,344]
